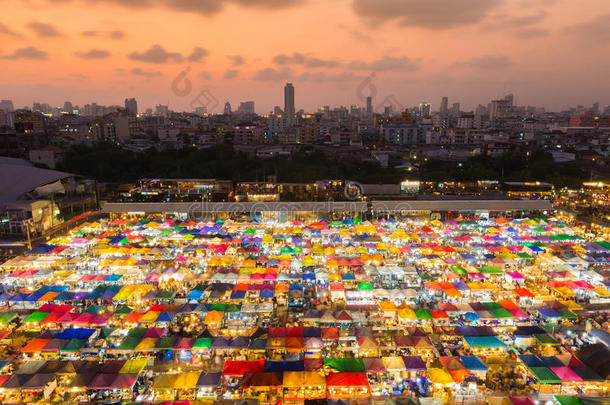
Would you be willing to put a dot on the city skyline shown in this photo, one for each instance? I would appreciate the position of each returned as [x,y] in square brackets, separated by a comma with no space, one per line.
[471,51]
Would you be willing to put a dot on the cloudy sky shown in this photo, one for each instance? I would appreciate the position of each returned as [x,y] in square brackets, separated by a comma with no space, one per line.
[553,53]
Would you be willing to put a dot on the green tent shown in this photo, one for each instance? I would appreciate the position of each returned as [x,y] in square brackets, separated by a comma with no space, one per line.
[106,332]
[202,343]
[525,256]
[544,375]
[166,343]
[219,306]
[129,343]
[568,400]
[123,310]
[498,310]
[566,313]
[604,244]
[490,270]
[36,317]
[166,295]
[6,317]
[546,339]
[423,314]
[95,309]
[137,332]
[346,364]
[74,346]
[365,287]
[458,270]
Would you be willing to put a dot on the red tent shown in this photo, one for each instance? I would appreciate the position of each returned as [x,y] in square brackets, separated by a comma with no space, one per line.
[237,367]
[347,379]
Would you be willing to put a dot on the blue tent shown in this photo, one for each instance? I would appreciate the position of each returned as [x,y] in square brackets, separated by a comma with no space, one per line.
[471,316]
[75,333]
[238,295]
[266,293]
[473,363]
[194,295]
[279,366]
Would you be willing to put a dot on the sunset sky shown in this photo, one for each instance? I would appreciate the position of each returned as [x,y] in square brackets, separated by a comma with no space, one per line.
[553,53]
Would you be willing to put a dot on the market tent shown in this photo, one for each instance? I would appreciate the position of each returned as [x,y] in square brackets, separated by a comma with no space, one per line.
[238,368]
[267,380]
[414,363]
[345,364]
[544,375]
[349,379]
[209,379]
[566,374]
[597,357]
[440,376]
[297,379]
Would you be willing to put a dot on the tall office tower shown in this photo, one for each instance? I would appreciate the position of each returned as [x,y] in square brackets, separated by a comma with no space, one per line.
[510,98]
[444,106]
[68,107]
[7,106]
[424,109]
[455,110]
[162,110]
[595,107]
[289,100]
[369,105]
[131,105]
[246,107]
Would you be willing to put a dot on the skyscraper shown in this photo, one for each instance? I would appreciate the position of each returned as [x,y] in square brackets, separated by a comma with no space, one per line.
[131,105]
[68,107]
[7,105]
[369,105]
[444,106]
[455,110]
[510,98]
[424,109]
[289,100]
[246,107]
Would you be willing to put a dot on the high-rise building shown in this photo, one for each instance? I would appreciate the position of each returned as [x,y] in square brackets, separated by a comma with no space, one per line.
[455,110]
[7,106]
[131,105]
[289,100]
[68,107]
[510,98]
[444,106]
[227,109]
[246,107]
[162,110]
[595,107]
[498,109]
[369,105]
[424,109]
[277,110]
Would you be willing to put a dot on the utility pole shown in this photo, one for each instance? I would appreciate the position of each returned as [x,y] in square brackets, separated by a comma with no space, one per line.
[27,227]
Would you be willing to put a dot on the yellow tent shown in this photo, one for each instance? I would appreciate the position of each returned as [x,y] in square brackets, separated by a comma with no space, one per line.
[439,376]
[133,366]
[146,344]
[297,379]
[214,317]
